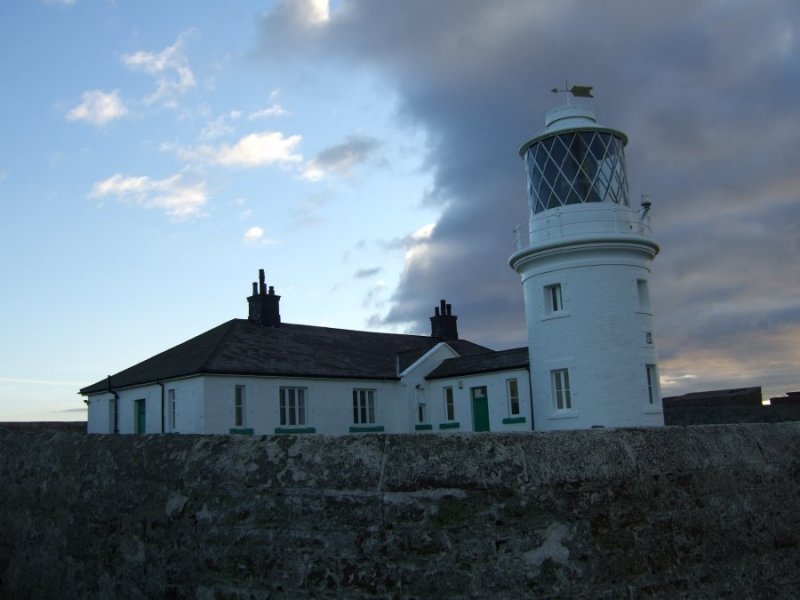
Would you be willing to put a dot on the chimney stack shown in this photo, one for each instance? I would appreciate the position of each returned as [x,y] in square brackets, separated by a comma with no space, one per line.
[443,322]
[264,305]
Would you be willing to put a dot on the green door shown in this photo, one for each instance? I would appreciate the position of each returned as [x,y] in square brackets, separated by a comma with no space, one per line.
[480,409]
[141,420]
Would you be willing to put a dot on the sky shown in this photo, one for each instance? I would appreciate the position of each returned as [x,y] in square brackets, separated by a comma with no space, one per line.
[364,153]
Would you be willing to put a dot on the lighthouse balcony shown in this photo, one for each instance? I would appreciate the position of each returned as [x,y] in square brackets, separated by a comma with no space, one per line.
[582,222]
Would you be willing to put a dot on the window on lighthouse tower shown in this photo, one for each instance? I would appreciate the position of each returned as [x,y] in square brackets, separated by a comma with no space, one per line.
[553,299]
[562,398]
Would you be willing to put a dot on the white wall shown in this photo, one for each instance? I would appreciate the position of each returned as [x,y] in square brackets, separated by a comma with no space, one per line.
[188,413]
[599,336]
[417,389]
[329,404]
[205,404]
[498,401]
[99,414]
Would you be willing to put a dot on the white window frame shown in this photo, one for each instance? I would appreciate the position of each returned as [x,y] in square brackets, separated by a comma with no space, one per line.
[239,406]
[561,390]
[293,406]
[449,399]
[553,298]
[364,406]
[513,396]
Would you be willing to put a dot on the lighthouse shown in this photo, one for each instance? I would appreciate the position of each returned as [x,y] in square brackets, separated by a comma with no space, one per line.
[585,262]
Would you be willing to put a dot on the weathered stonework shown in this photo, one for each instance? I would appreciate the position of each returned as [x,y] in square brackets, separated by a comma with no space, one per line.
[676,512]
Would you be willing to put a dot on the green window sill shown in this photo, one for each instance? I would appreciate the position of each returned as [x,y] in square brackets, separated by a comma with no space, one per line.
[455,425]
[293,430]
[241,430]
[366,429]
[511,420]
[423,427]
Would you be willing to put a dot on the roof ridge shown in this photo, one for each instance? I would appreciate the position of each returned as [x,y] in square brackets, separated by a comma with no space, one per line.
[362,331]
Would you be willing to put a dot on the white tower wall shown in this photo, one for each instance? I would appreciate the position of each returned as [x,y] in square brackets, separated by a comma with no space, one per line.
[585,271]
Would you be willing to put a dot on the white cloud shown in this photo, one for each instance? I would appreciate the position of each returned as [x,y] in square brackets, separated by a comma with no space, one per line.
[253,150]
[178,199]
[61,2]
[98,108]
[319,11]
[171,68]
[423,233]
[255,236]
[273,110]
[220,126]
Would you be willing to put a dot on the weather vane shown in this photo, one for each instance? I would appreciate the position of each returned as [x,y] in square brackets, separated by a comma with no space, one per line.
[578,91]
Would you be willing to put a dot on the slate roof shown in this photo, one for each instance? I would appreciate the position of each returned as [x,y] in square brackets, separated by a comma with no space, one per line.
[240,347]
[473,364]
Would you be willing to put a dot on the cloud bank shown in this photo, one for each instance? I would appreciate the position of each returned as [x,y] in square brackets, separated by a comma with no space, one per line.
[706,91]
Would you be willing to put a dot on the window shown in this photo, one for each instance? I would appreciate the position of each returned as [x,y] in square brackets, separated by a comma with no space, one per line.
[652,384]
[648,338]
[363,406]
[239,408]
[449,405]
[512,390]
[562,399]
[643,294]
[293,406]
[171,409]
[421,413]
[140,416]
[553,300]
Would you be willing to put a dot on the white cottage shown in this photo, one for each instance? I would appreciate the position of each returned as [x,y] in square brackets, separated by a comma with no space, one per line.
[261,376]
[585,267]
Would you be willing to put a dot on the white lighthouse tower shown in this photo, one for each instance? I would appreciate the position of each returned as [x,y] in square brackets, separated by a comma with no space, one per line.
[585,269]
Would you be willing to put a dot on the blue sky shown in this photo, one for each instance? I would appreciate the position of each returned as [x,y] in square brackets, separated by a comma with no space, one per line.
[364,153]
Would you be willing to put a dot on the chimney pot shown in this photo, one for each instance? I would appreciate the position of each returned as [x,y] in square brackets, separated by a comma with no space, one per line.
[443,322]
[264,309]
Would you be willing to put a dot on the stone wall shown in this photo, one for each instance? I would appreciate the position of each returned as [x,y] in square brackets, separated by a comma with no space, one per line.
[676,512]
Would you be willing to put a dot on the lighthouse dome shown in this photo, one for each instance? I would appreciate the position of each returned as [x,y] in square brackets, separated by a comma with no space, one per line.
[574,160]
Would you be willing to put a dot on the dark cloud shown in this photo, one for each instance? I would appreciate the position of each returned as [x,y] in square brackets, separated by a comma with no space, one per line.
[707,93]
[367,273]
[342,158]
